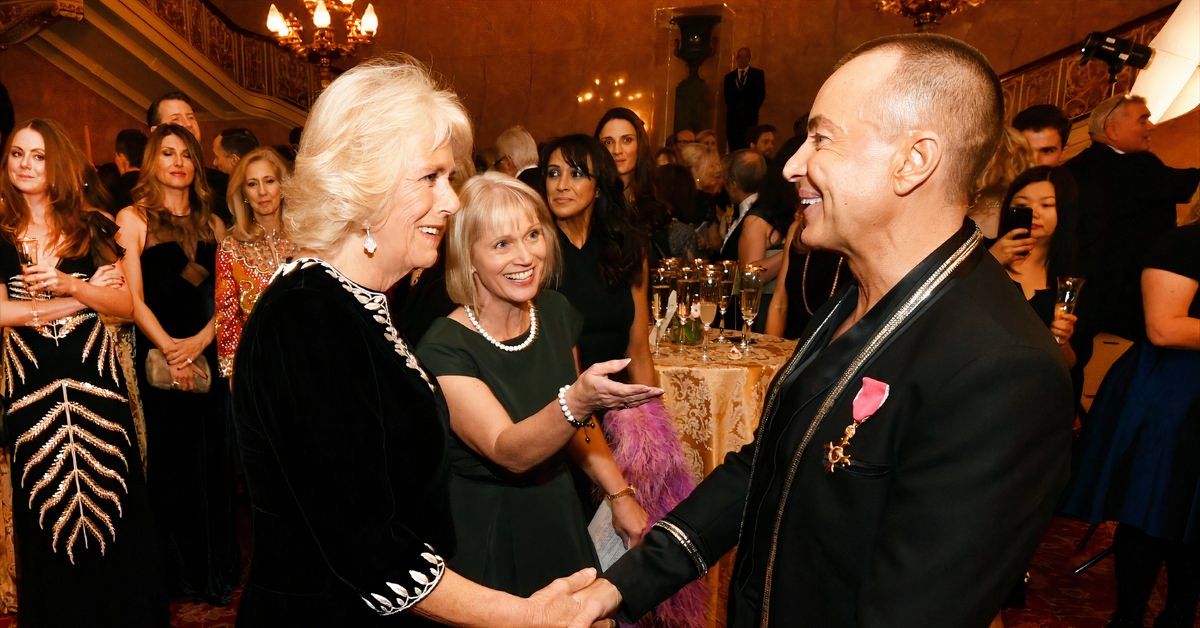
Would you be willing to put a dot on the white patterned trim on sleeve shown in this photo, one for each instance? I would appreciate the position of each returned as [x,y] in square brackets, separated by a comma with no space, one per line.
[399,598]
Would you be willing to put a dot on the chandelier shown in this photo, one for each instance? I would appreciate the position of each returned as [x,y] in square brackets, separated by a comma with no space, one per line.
[324,47]
[925,14]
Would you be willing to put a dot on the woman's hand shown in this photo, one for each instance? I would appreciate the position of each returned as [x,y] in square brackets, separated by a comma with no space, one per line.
[594,391]
[43,279]
[185,376]
[1063,326]
[1013,247]
[555,604]
[108,276]
[186,350]
[628,519]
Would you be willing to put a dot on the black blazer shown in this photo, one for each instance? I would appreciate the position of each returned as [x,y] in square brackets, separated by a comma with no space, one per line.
[1126,202]
[343,441]
[950,486]
[745,101]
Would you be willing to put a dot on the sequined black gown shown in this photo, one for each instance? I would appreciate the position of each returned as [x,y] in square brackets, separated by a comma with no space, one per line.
[85,545]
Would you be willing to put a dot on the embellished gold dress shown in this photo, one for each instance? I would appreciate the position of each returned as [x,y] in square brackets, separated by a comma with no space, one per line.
[243,271]
[85,544]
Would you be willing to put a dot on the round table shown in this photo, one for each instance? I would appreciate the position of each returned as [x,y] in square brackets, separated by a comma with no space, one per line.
[716,405]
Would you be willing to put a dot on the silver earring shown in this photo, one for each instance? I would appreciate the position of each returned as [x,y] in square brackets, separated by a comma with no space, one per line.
[369,245]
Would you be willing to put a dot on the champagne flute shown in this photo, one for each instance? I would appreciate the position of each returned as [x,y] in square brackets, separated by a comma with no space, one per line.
[1068,297]
[660,293]
[751,296]
[709,295]
[27,255]
[683,310]
[727,272]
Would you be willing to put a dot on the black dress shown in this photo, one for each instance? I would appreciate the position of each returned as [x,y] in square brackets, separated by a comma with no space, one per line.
[86,550]
[1136,460]
[813,278]
[515,533]
[343,442]
[607,316]
[607,309]
[188,438]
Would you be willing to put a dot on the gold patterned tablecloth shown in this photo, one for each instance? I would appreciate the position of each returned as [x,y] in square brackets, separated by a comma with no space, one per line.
[716,406]
[716,403]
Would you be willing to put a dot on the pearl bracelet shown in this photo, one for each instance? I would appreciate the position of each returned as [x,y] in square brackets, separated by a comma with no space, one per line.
[562,403]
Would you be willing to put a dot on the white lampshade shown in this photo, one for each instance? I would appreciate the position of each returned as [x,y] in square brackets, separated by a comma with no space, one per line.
[321,15]
[370,22]
[1171,83]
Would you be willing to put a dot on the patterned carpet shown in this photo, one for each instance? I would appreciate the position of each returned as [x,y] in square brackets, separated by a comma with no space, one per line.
[1056,598]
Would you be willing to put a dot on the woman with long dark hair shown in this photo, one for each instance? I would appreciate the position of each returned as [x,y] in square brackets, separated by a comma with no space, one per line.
[84,537]
[605,276]
[623,133]
[170,237]
[1054,198]
[604,255]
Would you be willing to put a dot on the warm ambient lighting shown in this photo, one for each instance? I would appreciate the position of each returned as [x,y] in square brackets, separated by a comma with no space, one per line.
[601,94]
[324,47]
[275,21]
[925,14]
[370,23]
[1171,83]
[321,15]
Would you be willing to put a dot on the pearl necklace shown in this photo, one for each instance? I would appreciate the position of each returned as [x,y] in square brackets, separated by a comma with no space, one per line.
[533,327]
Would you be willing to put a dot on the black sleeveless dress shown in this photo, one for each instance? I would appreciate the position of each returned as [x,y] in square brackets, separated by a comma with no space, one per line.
[188,435]
[86,550]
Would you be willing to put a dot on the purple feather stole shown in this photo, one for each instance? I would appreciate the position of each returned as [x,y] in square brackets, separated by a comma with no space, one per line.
[645,447]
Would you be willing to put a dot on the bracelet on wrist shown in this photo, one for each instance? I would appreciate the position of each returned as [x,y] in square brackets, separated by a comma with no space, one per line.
[570,416]
[566,410]
[627,491]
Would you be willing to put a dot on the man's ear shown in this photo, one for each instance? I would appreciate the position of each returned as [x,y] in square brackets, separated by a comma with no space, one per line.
[916,162]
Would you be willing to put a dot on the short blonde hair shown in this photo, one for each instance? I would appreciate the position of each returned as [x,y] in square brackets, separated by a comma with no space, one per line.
[1013,156]
[366,129]
[245,227]
[490,202]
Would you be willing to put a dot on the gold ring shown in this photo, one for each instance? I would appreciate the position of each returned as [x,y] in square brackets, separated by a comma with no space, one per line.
[174,385]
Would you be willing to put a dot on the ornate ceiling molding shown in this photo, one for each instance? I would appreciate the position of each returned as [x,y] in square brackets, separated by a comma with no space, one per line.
[131,51]
[22,19]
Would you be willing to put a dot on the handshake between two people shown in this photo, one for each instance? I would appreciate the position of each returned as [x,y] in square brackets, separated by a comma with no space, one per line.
[580,600]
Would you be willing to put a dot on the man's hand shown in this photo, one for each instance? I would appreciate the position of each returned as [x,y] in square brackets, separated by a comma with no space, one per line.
[596,602]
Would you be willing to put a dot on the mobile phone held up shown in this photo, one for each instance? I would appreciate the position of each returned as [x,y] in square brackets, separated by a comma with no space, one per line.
[1016,217]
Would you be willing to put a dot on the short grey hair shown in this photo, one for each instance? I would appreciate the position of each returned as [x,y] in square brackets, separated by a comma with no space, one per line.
[1105,110]
[519,146]
[369,126]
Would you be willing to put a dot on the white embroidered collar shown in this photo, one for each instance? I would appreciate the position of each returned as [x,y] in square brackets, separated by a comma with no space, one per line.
[374,302]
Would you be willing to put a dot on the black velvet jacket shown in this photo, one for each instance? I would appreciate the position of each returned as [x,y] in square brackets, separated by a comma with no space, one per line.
[949,487]
[343,440]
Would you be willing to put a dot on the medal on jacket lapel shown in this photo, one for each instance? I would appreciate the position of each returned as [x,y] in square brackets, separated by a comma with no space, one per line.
[866,403]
